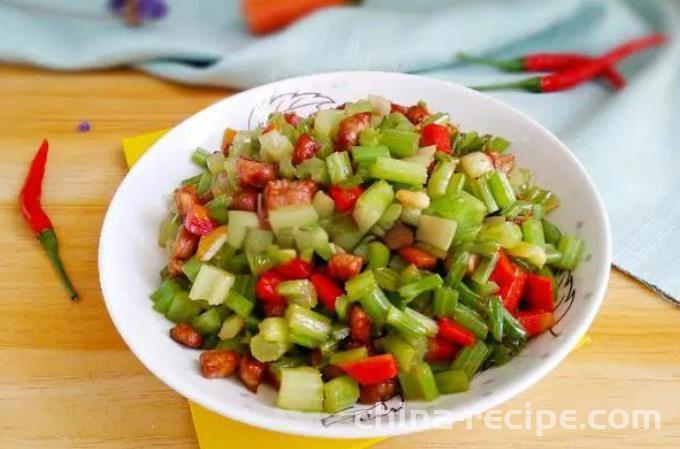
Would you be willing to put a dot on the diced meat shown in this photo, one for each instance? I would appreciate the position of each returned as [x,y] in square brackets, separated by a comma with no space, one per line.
[185,245]
[305,148]
[185,198]
[186,335]
[349,129]
[502,162]
[292,118]
[218,363]
[416,114]
[245,199]
[331,372]
[382,391]
[315,357]
[175,266]
[251,372]
[394,107]
[274,308]
[254,174]
[345,266]
[359,325]
[400,235]
[283,192]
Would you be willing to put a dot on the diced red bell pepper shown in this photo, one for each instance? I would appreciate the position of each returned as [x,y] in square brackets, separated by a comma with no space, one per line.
[439,350]
[512,292]
[327,290]
[345,198]
[265,288]
[371,370]
[418,257]
[197,220]
[434,134]
[504,271]
[295,269]
[511,281]
[451,331]
[539,293]
[535,323]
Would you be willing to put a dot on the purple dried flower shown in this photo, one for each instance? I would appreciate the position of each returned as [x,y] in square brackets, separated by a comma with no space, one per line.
[152,9]
[84,126]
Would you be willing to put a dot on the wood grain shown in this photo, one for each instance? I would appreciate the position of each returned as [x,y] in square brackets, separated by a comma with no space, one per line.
[67,379]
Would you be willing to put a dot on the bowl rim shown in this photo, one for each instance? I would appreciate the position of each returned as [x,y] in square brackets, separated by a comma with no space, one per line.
[257,419]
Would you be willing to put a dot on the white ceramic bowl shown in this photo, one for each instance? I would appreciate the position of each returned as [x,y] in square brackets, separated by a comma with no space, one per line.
[130,260]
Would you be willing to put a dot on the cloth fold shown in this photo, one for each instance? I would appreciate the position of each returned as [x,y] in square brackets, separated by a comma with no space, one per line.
[626,140]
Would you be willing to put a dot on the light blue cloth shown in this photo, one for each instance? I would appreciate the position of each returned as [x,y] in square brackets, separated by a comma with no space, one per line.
[627,140]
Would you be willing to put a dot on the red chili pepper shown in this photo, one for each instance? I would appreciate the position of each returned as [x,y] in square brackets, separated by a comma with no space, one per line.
[539,293]
[535,323]
[418,257]
[573,77]
[455,333]
[546,62]
[294,269]
[265,288]
[439,350]
[37,219]
[197,220]
[327,290]
[345,198]
[371,370]
[438,135]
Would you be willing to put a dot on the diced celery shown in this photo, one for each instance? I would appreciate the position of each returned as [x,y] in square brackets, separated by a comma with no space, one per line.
[445,302]
[267,351]
[463,208]
[191,268]
[376,305]
[300,292]
[424,321]
[360,286]
[340,393]
[215,163]
[208,322]
[396,170]
[323,204]
[301,389]
[239,223]
[452,381]
[371,205]
[397,120]
[470,358]
[326,122]
[484,268]
[274,146]
[168,288]
[533,254]
[425,381]
[232,344]
[481,189]
[401,143]
[424,156]
[476,164]
[182,309]
[532,231]
[351,355]
[211,284]
[307,328]
[387,219]
[274,329]
[199,157]
[292,217]
[409,327]
[411,290]
[168,231]
[259,262]
[313,238]
[241,305]
[339,166]
[507,233]
[257,241]
[218,209]
[404,353]
[551,232]
[436,231]
[572,249]
[364,154]
[370,137]
[501,189]
[231,327]
[342,308]
[440,178]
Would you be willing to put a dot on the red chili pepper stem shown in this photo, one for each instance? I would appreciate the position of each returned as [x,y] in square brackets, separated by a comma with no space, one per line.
[37,219]
[507,65]
[48,240]
[533,84]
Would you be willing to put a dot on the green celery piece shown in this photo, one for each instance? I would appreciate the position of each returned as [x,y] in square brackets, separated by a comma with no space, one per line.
[496,317]
[410,291]
[191,268]
[485,268]
[376,305]
[339,166]
[232,344]
[440,178]
[466,210]
[452,381]
[471,320]
[299,291]
[182,309]
[572,249]
[426,381]
[470,358]
[551,232]
[239,223]
[387,278]
[371,205]
[351,355]
[399,171]
[339,394]
[218,209]
[274,329]
[369,137]
[501,189]
[292,217]
[301,389]
[532,231]
[199,157]
[506,233]
[445,302]
[457,268]
[378,255]
[404,353]
[365,154]
[401,143]
[307,328]
[211,284]
[208,322]
[267,351]
[241,305]
[231,327]
[361,285]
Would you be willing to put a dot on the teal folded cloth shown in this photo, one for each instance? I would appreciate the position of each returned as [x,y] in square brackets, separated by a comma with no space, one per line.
[627,140]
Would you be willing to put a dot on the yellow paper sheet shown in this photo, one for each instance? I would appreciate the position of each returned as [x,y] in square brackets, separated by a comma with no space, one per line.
[217,432]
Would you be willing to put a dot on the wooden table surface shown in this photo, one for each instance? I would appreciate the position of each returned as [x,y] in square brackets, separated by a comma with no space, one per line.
[67,380]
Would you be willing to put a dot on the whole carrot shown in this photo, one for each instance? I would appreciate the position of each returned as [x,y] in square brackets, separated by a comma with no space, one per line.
[566,80]
[545,62]
[37,219]
[265,16]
